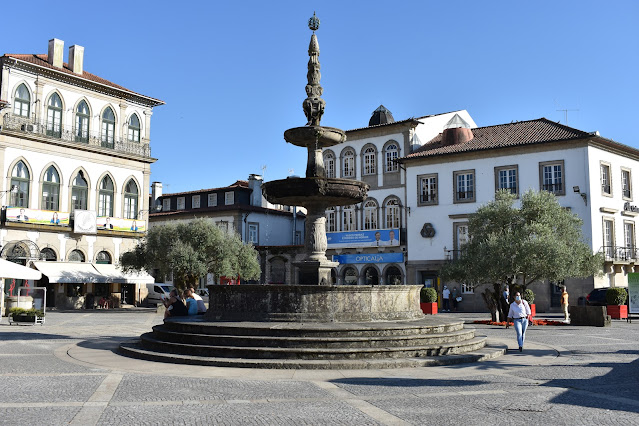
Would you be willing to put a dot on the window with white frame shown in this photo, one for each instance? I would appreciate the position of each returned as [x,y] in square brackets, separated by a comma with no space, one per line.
[552,177]
[108,128]
[253,233]
[212,201]
[464,186]
[195,201]
[79,192]
[229,198]
[348,215]
[369,161]
[606,187]
[506,178]
[348,169]
[629,240]
[392,213]
[22,101]
[626,186]
[370,215]
[131,200]
[181,203]
[222,225]
[166,204]
[82,118]
[609,238]
[329,164]
[21,178]
[427,187]
[105,200]
[51,189]
[467,289]
[54,116]
[460,238]
[134,128]
[331,224]
[391,154]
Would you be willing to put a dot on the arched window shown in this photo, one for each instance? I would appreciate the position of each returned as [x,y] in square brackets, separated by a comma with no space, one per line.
[103,257]
[22,101]
[79,192]
[370,215]
[393,276]
[134,128]
[369,161]
[349,164]
[392,152]
[20,177]
[329,165]
[82,117]
[76,256]
[392,213]
[348,214]
[131,200]
[51,189]
[331,223]
[105,200]
[48,255]
[350,276]
[54,116]
[108,128]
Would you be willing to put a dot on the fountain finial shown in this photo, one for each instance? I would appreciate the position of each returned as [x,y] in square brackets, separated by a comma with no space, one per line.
[313,105]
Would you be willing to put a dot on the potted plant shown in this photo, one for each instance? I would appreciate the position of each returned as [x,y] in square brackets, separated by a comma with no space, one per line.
[529,297]
[21,315]
[428,300]
[616,300]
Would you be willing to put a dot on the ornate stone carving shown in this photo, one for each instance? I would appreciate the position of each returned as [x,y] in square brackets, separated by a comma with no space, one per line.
[314,105]
[428,231]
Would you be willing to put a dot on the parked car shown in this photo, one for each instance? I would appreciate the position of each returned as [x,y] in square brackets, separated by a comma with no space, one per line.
[157,293]
[597,297]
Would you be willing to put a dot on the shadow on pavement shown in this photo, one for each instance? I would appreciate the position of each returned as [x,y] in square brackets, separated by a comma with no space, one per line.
[403,382]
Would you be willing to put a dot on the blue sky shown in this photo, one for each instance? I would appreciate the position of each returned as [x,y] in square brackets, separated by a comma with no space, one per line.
[232,74]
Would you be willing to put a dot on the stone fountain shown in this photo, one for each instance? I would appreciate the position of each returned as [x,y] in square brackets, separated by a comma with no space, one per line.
[312,324]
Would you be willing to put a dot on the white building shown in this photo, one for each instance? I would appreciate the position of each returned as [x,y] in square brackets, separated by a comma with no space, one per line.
[277,232]
[75,159]
[369,239]
[449,177]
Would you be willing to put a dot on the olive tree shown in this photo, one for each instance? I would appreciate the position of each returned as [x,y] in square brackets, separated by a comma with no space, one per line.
[190,250]
[510,246]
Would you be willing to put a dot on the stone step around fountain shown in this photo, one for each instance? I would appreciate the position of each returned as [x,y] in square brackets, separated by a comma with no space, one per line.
[311,345]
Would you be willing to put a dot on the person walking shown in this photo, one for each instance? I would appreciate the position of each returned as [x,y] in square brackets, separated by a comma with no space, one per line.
[564,303]
[519,312]
[446,297]
[455,295]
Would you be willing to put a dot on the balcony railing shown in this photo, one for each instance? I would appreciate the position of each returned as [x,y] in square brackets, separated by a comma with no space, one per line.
[620,254]
[430,197]
[30,127]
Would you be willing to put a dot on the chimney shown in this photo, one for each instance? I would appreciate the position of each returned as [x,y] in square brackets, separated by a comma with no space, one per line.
[456,136]
[156,193]
[76,58]
[255,183]
[56,52]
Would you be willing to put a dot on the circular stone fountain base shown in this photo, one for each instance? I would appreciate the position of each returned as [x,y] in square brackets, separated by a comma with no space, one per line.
[312,303]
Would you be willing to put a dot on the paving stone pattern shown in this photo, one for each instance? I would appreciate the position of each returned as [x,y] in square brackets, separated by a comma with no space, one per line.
[566,375]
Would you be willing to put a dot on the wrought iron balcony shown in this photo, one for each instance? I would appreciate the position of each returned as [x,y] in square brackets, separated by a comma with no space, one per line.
[620,254]
[27,126]
[555,188]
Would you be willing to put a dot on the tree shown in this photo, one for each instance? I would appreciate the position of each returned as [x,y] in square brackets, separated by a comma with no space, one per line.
[519,246]
[190,250]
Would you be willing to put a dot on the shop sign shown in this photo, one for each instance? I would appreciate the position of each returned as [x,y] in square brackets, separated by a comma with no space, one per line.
[369,238]
[369,258]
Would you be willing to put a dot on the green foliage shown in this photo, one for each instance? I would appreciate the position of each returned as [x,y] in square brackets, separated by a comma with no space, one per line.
[616,296]
[190,250]
[508,245]
[16,312]
[428,295]
[529,296]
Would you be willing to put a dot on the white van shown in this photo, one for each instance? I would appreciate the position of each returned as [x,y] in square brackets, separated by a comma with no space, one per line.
[157,293]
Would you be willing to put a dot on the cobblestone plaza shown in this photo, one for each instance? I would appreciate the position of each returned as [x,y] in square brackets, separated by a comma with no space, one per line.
[66,372]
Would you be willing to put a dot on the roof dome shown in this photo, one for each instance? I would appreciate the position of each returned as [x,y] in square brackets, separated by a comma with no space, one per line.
[381,116]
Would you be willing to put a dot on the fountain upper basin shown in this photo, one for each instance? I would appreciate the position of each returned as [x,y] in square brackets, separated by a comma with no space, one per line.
[315,191]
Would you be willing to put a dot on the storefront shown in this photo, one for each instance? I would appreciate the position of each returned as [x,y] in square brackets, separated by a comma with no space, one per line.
[370,269]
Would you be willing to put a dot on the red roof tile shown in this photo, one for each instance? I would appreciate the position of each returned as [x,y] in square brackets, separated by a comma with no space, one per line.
[502,136]
[42,60]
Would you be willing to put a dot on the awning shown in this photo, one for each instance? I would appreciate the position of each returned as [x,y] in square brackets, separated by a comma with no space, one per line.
[19,272]
[114,274]
[70,272]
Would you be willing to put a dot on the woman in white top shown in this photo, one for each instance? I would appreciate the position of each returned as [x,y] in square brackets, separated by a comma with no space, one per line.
[519,312]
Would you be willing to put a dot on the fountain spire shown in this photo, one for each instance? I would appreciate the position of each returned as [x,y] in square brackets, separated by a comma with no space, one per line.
[313,104]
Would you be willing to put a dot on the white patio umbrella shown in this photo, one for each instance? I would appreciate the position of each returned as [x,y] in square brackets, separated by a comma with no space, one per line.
[15,271]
